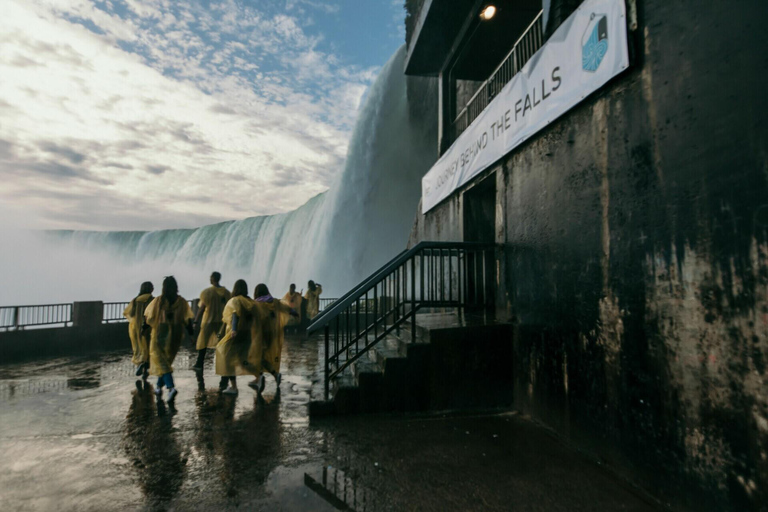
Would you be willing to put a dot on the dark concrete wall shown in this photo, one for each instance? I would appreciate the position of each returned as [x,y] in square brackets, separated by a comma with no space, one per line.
[635,233]
[33,344]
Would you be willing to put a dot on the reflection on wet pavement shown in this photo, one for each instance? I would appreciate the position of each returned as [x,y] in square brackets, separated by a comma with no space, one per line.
[84,434]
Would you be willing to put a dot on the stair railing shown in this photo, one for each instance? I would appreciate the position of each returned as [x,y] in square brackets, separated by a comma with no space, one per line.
[429,275]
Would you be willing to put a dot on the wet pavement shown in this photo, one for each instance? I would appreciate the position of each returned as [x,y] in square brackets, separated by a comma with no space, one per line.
[82,434]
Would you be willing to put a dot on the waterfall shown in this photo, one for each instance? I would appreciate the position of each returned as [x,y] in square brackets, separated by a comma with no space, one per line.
[336,238]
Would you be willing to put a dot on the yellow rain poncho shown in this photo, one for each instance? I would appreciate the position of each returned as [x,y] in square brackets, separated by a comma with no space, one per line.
[271,318]
[167,322]
[135,315]
[313,302]
[293,301]
[214,299]
[241,354]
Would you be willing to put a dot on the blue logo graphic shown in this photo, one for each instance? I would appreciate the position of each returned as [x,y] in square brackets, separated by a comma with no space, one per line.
[594,44]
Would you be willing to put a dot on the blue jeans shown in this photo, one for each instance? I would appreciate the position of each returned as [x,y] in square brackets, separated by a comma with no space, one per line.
[165,380]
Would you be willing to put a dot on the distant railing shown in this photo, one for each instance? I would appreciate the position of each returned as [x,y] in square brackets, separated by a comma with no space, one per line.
[15,318]
[113,312]
[525,48]
[324,303]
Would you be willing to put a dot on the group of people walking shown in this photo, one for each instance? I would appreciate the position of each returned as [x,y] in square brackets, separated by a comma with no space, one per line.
[246,333]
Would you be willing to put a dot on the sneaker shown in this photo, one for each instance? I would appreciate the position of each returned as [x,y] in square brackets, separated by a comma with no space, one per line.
[230,391]
[222,386]
[278,379]
[172,394]
[254,384]
[159,392]
[140,369]
[262,383]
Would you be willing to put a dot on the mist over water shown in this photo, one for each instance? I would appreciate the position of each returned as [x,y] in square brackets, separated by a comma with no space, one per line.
[336,238]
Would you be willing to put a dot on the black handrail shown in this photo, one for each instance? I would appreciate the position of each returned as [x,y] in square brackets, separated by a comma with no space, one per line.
[316,320]
[351,296]
[429,275]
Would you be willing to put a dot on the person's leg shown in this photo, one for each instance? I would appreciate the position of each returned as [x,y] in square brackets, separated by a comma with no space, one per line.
[200,358]
[232,389]
[223,383]
[159,386]
[172,392]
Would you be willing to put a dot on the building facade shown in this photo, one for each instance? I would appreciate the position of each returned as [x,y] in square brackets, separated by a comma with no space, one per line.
[632,235]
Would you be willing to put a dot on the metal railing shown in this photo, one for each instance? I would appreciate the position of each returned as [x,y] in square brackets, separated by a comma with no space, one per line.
[18,317]
[430,275]
[525,48]
[113,312]
[342,491]
[325,302]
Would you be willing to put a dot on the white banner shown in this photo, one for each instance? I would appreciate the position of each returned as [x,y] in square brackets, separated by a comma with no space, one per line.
[588,49]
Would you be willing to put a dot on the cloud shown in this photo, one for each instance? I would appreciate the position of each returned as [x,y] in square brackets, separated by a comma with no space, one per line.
[65,152]
[157,169]
[150,102]
[327,7]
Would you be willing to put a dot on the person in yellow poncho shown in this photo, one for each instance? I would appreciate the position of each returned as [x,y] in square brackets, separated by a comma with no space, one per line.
[167,315]
[239,351]
[293,300]
[139,337]
[211,308]
[271,316]
[313,299]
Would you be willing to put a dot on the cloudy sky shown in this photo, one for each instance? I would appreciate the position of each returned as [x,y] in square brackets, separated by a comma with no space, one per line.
[144,114]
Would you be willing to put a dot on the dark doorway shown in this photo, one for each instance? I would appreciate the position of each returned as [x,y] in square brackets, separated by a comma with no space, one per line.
[480,226]
[480,212]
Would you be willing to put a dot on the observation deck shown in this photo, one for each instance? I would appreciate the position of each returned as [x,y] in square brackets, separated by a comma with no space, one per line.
[78,433]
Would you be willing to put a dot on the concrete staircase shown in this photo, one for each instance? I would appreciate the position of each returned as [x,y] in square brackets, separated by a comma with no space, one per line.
[456,361]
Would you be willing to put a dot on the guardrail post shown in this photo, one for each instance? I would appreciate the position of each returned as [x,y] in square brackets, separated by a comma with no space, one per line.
[16,318]
[413,299]
[327,354]
[87,314]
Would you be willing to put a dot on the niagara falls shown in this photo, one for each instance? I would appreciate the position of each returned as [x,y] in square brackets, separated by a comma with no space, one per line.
[342,235]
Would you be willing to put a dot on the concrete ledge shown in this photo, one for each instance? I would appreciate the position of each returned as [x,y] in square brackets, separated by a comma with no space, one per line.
[16,346]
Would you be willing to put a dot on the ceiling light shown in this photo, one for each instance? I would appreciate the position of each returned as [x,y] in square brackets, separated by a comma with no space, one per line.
[488,12]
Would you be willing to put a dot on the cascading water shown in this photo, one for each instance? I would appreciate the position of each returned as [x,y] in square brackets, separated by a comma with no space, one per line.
[336,238]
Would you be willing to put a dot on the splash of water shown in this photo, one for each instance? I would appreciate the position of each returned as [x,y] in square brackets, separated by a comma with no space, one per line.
[336,238]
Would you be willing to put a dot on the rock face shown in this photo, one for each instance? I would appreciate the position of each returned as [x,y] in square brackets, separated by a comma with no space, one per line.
[635,260]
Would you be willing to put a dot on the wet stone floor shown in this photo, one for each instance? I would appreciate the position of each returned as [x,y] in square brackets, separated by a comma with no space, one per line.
[83,434]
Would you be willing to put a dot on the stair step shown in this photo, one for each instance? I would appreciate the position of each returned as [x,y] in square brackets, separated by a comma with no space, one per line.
[364,366]
[385,354]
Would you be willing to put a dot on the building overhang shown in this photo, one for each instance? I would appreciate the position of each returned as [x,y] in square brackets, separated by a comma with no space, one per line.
[436,30]
[447,29]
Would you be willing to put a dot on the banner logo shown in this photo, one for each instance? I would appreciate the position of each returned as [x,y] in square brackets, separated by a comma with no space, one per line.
[594,43]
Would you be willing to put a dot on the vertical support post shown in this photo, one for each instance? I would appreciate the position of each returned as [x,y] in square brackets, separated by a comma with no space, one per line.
[413,299]
[16,318]
[336,342]
[327,372]
[421,275]
[375,311]
[442,276]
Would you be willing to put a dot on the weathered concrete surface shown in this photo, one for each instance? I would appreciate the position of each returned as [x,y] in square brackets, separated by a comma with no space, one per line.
[636,259]
[76,434]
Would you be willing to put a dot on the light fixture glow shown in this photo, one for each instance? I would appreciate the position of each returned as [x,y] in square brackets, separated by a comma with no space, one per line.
[488,12]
